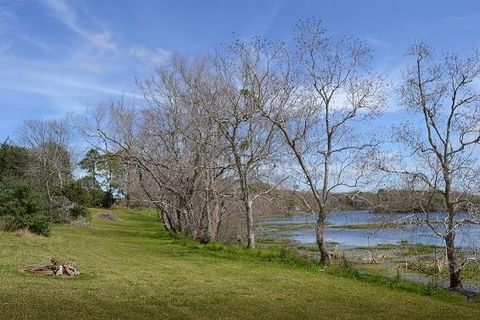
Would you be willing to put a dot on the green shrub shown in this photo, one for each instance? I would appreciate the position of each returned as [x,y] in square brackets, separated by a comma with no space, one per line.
[22,207]
[40,224]
[91,193]
[75,192]
[107,200]
[79,212]
[82,197]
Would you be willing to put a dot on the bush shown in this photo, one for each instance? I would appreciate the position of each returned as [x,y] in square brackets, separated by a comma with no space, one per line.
[40,224]
[88,192]
[3,225]
[107,200]
[63,210]
[80,212]
[22,207]
[75,192]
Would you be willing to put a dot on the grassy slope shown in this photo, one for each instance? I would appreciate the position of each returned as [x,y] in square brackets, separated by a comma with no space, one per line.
[133,270]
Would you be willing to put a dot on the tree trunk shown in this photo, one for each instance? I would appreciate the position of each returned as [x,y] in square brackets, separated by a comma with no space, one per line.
[250,229]
[219,220]
[180,215]
[127,197]
[322,246]
[166,220]
[453,265]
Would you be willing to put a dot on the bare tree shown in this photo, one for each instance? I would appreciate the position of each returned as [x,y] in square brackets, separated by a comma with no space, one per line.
[331,94]
[48,141]
[173,146]
[205,121]
[248,85]
[442,142]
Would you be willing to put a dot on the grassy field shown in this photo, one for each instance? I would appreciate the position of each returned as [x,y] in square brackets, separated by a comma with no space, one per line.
[132,269]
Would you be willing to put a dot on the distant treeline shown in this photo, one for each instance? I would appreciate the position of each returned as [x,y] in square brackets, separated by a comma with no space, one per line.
[381,201]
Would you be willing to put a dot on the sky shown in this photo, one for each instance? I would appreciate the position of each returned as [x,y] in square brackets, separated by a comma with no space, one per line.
[58,57]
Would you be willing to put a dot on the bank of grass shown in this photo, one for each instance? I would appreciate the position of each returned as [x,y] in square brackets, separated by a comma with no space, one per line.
[132,269]
[406,249]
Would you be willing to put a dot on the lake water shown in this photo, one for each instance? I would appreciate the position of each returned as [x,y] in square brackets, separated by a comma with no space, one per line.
[300,228]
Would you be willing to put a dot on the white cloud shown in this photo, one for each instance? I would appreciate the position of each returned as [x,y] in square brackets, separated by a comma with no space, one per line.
[66,14]
[158,56]
[101,39]
[34,42]
[11,32]
[7,20]
[104,41]
[376,42]
[50,80]
[63,12]
[93,67]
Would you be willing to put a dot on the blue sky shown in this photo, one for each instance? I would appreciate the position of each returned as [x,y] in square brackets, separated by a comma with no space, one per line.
[60,56]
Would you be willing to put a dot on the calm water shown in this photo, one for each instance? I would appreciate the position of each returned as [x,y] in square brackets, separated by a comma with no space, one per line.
[302,230]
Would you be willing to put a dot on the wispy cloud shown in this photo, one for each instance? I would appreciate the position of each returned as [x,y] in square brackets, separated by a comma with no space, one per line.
[97,64]
[35,42]
[56,82]
[157,56]
[63,12]
[7,19]
[103,40]
[52,71]
[67,15]
[376,42]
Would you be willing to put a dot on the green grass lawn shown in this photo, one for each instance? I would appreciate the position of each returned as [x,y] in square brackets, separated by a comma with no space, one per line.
[132,269]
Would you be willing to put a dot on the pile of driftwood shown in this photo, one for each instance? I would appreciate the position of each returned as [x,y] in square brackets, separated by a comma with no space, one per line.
[55,268]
